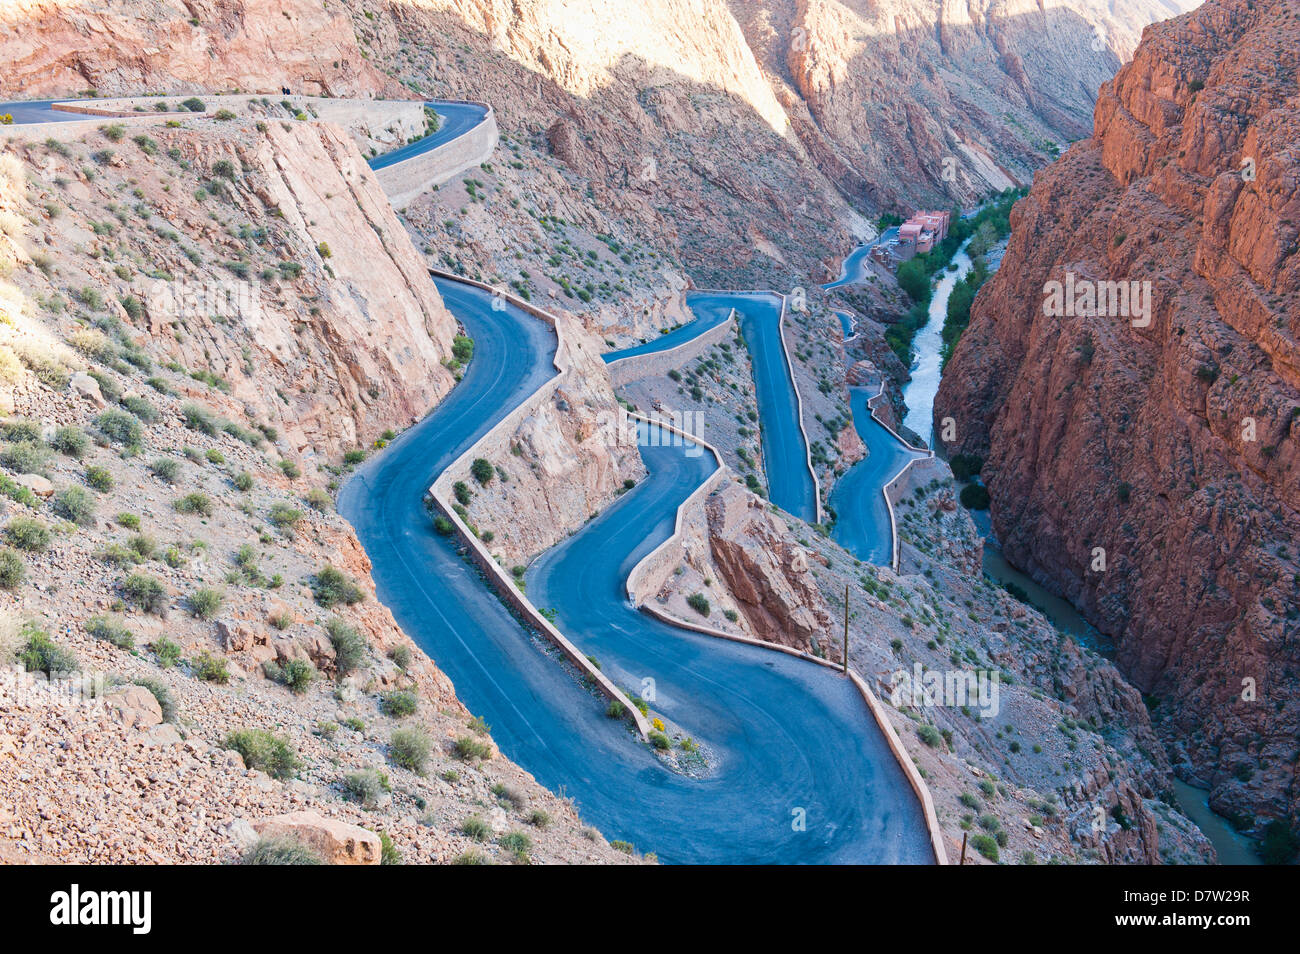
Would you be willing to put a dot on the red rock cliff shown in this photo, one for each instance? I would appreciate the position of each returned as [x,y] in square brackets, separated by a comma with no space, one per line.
[1175,447]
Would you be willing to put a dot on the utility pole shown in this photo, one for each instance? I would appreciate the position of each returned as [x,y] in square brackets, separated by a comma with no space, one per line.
[963,848]
[846,629]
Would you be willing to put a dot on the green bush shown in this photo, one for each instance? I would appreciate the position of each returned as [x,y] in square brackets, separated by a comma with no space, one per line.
[410,749]
[482,470]
[517,843]
[443,526]
[205,603]
[75,504]
[195,502]
[71,441]
[698,602]
[284,517]
[476,828]
[462,349]
[264,751]
[28,533]
[349,645]
[660,741]
[462,493]
[26,457]
[331,586]
[296,674]
[539,818]
[280,850]
[41,654]
[913,279]
[120,427]
[210,668]
[398,704]
[199,418]
[243,481]
[929,735]
[167,652]
[146,593]
[20,429]
[366,787]
[141,408]
[468,748]
[166,468]
[320,500]
[99,479]
[966,466]
[986,845]
[12,568]
[111,631]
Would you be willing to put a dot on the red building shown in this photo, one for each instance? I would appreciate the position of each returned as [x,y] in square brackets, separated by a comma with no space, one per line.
[922,232]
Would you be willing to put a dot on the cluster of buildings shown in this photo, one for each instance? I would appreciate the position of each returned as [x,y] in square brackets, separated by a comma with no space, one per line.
[922,232]
[918,235]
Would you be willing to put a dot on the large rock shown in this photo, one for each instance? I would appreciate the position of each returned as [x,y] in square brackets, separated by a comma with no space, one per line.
[88,388]
[133,706]
[37,484]
[335,841]
[767,572]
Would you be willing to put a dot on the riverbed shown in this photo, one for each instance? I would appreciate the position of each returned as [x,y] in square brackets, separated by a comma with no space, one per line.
[919,393]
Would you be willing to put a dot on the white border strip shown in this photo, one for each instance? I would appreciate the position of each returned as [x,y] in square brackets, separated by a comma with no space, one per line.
[929,455]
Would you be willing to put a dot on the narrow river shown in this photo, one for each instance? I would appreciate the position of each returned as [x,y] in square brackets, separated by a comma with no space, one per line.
[919,392]
[1231,847]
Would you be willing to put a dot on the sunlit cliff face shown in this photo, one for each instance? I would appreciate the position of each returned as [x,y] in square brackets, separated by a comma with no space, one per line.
[584,44]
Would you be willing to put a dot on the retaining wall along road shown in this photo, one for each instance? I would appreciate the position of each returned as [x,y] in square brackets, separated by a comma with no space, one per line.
[794,384]
[636,367]
[403,181]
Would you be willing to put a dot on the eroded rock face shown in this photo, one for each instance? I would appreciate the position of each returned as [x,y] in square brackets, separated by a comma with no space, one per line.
[1174,447]
[357,347]
[56,47]
[766,572]
[869,85]
[562,463]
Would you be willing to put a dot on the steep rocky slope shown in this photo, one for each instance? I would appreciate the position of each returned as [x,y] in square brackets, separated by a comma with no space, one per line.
[256,257]
[168,546]
[919,101]
[1171,445]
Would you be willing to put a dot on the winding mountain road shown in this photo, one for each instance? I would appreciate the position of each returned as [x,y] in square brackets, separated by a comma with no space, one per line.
[799,770]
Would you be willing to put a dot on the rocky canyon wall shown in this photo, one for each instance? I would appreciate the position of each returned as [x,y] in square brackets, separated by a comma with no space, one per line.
[1171,445]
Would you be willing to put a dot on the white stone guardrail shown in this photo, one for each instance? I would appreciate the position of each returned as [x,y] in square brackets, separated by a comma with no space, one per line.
[635,583]
[504,585]
[403,181]
[889,486]
[789,370]
[636,367]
